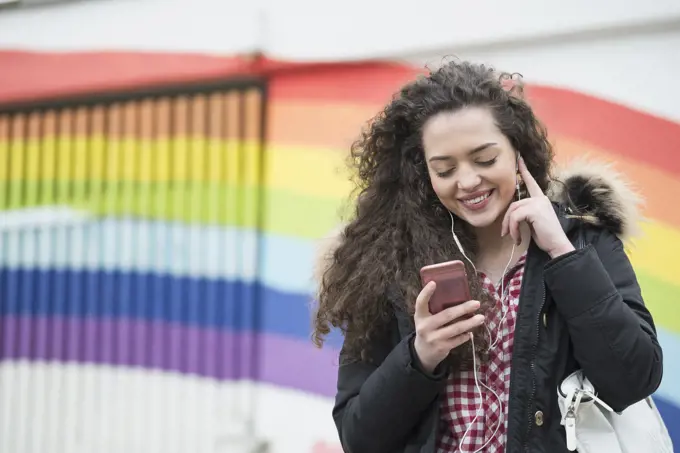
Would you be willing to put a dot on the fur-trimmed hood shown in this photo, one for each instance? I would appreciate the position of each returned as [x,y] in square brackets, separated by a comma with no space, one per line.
[602,195]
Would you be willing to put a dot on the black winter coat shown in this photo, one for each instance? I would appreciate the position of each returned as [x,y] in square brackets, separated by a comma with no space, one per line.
[581,310]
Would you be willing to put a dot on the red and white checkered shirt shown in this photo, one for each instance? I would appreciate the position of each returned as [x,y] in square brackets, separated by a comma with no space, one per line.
[460,404]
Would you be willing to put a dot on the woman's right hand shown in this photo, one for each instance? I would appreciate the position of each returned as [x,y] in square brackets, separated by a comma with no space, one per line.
[437,335]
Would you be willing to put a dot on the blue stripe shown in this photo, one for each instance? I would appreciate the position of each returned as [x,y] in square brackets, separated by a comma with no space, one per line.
[671,416]
[670,343]
[201,302]
[165,247]
[195,301]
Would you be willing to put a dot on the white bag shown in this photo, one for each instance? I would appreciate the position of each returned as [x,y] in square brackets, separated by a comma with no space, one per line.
[593,427]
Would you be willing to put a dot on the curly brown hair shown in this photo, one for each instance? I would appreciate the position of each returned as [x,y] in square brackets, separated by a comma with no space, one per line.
[399,224]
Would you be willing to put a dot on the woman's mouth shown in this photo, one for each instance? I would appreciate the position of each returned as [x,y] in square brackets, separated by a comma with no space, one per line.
[476,201]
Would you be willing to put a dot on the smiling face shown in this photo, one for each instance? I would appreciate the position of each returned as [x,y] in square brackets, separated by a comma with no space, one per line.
[472,165]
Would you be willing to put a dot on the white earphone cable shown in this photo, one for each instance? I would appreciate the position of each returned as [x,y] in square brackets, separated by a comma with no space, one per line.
[504,310]
[481,404]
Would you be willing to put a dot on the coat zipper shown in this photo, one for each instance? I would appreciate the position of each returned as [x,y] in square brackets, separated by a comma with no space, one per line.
[533,370]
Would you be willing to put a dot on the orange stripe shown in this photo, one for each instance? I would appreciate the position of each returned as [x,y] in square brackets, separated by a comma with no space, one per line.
[631,133]
[333,126]
[657,187]
[609,125]
[300,124]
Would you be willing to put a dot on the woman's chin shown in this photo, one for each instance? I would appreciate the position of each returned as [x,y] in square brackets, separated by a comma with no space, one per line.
[481,218]
[480,221]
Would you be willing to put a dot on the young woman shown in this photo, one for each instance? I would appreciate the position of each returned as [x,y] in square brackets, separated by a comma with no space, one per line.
[458,167]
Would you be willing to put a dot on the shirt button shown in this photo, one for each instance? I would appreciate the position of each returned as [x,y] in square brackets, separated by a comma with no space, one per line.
[538,417]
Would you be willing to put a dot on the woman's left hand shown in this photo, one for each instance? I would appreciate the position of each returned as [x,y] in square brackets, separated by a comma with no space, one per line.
[538,213]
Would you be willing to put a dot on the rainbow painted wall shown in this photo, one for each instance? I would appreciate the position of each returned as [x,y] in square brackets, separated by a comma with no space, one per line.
[139,250]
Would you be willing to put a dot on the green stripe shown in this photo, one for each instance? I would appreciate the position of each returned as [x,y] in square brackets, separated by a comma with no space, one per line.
[660,300]
[285,212]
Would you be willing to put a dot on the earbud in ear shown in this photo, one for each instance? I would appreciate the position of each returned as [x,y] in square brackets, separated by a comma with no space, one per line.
[518,178]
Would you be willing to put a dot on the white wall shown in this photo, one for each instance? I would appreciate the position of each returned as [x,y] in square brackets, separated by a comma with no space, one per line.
[304,30]
[142,25]
[92,409]
[638,70]
[622,50]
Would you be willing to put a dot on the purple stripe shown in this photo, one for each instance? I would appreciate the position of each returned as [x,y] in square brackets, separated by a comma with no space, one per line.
[224,355]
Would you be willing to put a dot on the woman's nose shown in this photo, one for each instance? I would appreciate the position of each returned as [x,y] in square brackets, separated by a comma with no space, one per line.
[468,180]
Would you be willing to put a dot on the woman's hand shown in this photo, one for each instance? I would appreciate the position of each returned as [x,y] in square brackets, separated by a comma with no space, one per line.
[538,213]
[437,335]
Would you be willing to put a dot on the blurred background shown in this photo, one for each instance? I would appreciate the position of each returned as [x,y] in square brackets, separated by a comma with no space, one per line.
[168,167]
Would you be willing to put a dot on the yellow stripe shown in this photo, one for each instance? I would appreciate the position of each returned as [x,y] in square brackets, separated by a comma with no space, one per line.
[657,251]
[32,163]
[91,155]
[297,170]
[50,157]
[16,166]
[317,172]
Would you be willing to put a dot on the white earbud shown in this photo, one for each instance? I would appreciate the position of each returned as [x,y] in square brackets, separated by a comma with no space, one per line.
[519,197]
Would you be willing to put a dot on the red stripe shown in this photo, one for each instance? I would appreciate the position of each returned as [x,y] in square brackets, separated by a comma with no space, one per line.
[34,75]
[609,125]
[95,72]
[370,83]
[604,124]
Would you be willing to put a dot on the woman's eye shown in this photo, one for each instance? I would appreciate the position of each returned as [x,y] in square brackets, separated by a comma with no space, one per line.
[487,163]
[444,174]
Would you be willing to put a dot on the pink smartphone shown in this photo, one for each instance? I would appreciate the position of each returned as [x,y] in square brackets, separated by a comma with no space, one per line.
[452,284]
